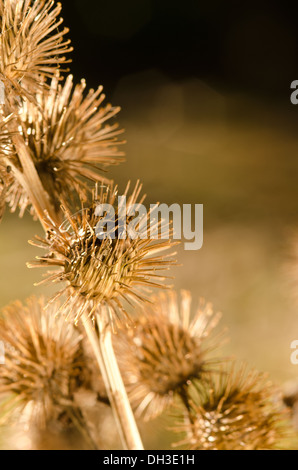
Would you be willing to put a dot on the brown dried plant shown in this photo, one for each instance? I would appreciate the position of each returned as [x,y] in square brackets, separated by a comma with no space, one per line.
[44,361]
[113,272]
[55,140]
[167,350]
[31,45]
[69,139]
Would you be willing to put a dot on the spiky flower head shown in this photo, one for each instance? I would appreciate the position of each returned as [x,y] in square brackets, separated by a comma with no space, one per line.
[166,350]
[69,139]
[111,271]
[239,410]
[44,361]
[31,45]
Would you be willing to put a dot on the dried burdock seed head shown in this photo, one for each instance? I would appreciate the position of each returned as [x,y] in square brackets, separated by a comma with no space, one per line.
[110,271]
[239,410]
[44,363]
[166,350]
[31,45]
[69,139]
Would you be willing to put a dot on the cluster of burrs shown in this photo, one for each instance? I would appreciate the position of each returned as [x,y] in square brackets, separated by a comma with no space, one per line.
[105,337]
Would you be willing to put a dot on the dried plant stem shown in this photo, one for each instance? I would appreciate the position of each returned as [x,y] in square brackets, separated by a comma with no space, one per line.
[102,346]
[30,180]
[104,352]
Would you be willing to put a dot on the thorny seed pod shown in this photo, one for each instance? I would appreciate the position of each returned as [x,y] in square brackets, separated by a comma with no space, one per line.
[69,141]
[239,410]
[44,363]
[31,46]
[113,270]
[166,351]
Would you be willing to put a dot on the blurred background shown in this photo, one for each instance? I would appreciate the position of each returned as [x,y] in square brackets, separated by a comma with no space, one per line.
[204,89]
